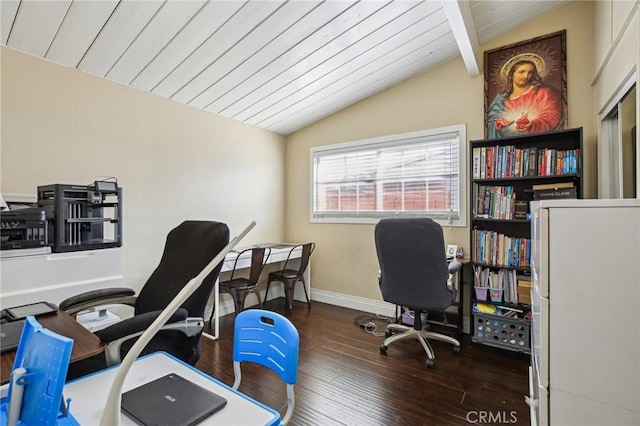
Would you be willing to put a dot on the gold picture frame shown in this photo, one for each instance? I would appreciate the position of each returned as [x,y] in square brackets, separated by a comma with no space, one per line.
[526,87]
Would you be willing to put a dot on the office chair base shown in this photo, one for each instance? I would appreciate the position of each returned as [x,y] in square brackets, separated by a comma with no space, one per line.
[406,332]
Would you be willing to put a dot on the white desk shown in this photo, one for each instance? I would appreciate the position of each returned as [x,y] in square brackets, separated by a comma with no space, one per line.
[279,253]
[89,394]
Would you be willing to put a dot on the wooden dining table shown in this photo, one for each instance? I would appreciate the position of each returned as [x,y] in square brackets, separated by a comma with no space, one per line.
[85,343]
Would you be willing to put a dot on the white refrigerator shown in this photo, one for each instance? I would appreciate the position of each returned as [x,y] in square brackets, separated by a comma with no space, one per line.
[585,302]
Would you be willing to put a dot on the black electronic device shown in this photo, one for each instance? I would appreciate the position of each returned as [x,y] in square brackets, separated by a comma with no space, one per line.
[23,228]
[106,186]
[32,309]
[82,217]
[171,400]
[10,334]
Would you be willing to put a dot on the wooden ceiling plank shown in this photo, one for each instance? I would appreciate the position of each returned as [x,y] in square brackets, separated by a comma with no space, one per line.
[128,20]
[295,61]
[232,31]
[36,25]
[369,74]
[340,101]
[381,42]
[260,39]
[362,89]
[494,18]
[8,11]
[360,38]
[80,27]
[161,30]
[206,22]
[226,56]
[277,48]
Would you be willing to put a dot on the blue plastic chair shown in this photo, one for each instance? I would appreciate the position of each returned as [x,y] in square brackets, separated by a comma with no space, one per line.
[269,339]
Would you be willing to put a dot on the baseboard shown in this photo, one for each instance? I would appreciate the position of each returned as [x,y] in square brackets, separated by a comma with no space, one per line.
[353,302]
[226,304]
[372,306]
[362,304]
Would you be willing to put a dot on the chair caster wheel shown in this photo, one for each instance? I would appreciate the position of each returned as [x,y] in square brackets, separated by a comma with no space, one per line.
[383,349]
[456,349]
[388,333]
[431,363]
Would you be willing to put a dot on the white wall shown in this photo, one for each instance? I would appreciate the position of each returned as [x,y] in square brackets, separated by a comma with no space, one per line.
[174,162]
[616,57]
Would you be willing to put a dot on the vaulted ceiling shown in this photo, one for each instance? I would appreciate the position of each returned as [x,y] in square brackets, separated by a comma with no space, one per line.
[278,65]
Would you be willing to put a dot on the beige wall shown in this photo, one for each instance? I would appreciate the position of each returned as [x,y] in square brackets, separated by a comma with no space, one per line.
[174,162]
[344,261]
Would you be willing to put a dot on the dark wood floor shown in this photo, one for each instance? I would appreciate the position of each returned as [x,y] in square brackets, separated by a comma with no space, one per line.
[344,380]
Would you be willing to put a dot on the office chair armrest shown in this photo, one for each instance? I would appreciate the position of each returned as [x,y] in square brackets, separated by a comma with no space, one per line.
[454,267]
[90,299]
[119,333]
[136,324]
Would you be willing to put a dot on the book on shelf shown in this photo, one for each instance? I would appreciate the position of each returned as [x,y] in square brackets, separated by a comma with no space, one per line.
[494,202]
[490,162]
[532,164]
[521,209]
[524,289]
[500,250]
[476,162]
[555,194]
[486,201]
[507,161]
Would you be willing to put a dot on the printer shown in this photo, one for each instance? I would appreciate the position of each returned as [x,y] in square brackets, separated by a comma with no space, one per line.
[62,218]
[23,228]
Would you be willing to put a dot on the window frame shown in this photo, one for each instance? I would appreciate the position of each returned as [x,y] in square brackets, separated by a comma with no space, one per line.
[394,141]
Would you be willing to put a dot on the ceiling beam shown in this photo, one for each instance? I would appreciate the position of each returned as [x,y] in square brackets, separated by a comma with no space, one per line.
[461,22]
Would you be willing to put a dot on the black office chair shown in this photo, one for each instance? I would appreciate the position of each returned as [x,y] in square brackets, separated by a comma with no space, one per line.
[240,287]
[414,274]
[188,249]
[289,277]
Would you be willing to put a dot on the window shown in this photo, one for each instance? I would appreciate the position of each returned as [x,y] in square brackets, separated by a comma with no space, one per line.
[407,175]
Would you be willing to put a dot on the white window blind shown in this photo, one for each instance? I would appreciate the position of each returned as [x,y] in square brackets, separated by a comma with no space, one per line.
[414,174]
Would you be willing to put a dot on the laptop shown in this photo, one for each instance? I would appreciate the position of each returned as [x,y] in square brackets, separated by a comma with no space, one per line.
[10,333]
[170,400]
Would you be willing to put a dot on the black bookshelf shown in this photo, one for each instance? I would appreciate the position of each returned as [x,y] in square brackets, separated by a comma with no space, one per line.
[506,175]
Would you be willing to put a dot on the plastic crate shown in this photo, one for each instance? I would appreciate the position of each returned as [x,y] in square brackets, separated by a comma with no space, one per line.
[408,318]
[503,332]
